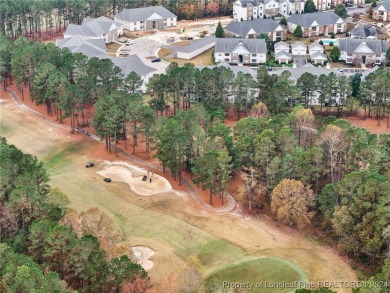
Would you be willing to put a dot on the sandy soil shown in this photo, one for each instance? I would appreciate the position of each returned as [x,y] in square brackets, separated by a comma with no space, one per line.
[142,255]
[371,124]
[132,175]
[173,227]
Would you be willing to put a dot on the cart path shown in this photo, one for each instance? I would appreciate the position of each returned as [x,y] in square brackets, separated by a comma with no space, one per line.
[229,207]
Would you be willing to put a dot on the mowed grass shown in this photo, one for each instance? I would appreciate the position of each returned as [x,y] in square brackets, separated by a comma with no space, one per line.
[263,272]
[167,223]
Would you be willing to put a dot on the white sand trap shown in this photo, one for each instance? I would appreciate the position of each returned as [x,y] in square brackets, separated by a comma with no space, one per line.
[132,175]
[142,255]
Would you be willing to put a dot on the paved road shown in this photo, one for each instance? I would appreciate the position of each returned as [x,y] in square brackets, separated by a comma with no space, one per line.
[145,47]
[352,10]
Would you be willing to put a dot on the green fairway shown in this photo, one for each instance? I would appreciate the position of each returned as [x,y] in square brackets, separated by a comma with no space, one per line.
[266,275]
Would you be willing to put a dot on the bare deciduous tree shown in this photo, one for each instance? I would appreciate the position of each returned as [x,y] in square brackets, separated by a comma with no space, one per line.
[304,124]
[335,145]
[259,110]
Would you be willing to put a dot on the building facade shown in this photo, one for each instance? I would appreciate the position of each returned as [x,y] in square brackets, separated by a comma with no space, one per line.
[317,23]
[382,11]
[146,18]
[358,51]
[253,28]
[240,51]
[96,28]
[244,10]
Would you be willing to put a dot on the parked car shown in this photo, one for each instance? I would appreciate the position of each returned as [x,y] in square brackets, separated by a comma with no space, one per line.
[89,165]
[108,180]
[360,6]
[156,60]
[128,43]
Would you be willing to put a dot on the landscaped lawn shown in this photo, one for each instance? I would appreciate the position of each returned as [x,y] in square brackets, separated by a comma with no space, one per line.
[112,48]
[204,59]
[263,272]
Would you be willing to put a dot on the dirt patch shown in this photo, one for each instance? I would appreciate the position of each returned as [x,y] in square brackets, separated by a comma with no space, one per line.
[113,47]
[140,180]
[371,124]
[137,34]
[181,43]
[142,255]
[203,59]
[163,52]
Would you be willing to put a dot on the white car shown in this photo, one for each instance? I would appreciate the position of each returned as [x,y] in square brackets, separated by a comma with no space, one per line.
[128,43]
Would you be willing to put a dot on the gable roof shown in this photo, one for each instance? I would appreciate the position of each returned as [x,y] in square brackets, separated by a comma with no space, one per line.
[283,55]
[298,44]
[92,27]
[318,56]
[196,45]
[364,31]
[229,44]
[385,5]
[143,13]
[97,48]
[281,44]
[258,25]
[352,45]
[322,18]
[245,3]
[316,45]
[234,69]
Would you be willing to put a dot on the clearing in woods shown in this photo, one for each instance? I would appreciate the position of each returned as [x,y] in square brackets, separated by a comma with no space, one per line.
[173,226]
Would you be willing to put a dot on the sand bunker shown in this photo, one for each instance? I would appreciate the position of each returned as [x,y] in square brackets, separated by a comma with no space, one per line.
[132,175]
[142,255]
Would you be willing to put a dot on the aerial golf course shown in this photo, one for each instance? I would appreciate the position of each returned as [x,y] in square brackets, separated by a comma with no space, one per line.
[231,247]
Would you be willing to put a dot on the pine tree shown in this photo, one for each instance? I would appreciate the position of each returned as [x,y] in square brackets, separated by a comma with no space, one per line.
[219,32]
[298,33]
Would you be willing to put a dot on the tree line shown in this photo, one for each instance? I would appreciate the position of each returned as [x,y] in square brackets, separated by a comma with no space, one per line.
[33,17]
[280,145]
[40,254]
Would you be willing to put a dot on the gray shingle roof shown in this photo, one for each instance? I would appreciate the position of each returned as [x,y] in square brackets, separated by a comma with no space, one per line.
[351,45]
[364,31]
[258,25]
[233,68]
[322,18]
[143,13]
[195,45]
[252,2]
[318,56]
[229,44]
[281,44]
[92,27]
[283,55]
[97,48]
[316,45]
[385,4]
[297,72]
[298,44]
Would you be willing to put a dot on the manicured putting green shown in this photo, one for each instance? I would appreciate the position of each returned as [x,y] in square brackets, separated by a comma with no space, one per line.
[267,275]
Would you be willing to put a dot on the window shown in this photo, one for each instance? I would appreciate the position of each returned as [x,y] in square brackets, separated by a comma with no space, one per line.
[227,54]
[227,59]
[378,61]
[254,55]
[253,60]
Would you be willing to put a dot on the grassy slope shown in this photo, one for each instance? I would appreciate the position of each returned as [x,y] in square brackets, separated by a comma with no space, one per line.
[173,228]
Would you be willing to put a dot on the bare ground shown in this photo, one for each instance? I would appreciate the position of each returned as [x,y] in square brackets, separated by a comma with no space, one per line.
[172,226]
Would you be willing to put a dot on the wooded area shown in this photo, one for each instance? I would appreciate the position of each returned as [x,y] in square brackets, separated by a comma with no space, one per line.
[307,168]
[37,251]
[30,17]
